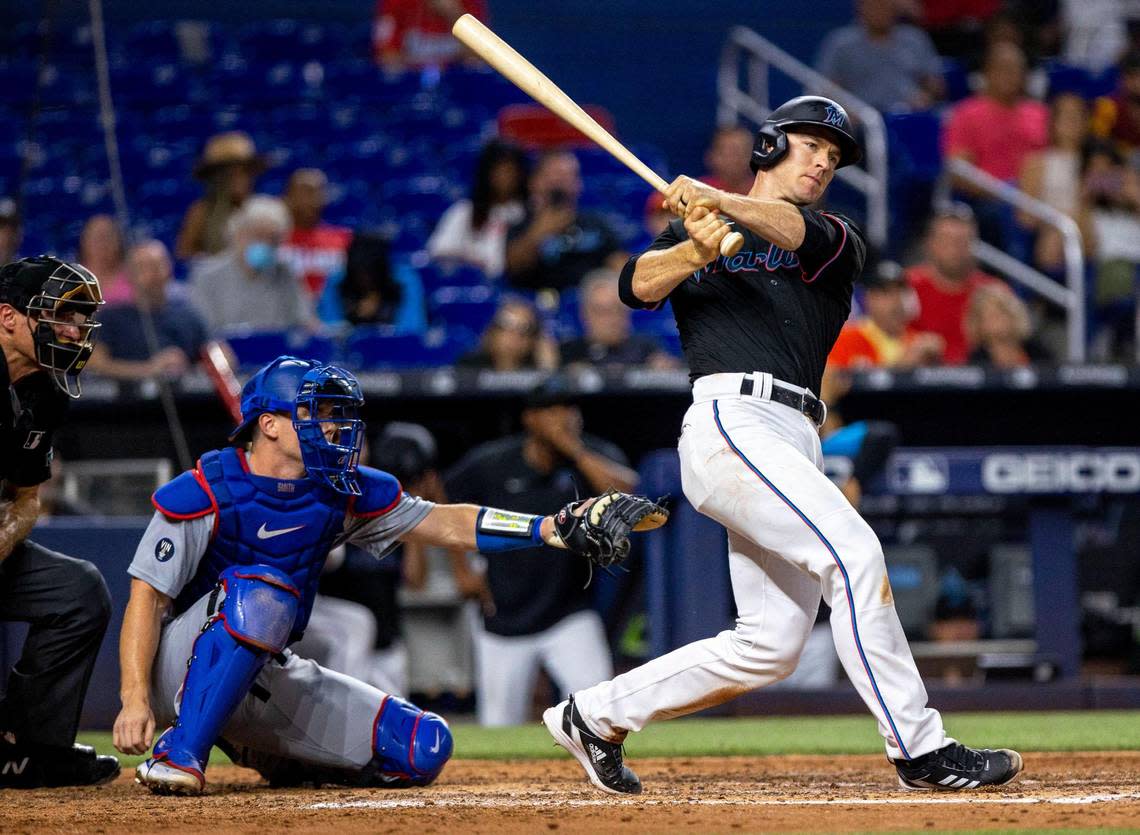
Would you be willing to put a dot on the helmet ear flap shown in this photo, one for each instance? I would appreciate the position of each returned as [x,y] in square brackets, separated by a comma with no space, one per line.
[770,147]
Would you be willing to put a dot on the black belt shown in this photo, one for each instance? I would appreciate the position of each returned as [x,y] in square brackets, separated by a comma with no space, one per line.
[804,402]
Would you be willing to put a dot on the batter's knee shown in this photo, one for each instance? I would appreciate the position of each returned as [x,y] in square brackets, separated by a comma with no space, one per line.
[755,653]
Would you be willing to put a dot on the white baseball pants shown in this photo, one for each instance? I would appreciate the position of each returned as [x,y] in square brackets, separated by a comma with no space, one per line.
[755,467]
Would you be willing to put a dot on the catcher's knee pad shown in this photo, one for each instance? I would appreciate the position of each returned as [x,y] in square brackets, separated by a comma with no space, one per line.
[254,621]
[260,606]
[411,745]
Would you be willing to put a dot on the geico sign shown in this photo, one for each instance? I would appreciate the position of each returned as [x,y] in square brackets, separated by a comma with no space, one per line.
[1074,472]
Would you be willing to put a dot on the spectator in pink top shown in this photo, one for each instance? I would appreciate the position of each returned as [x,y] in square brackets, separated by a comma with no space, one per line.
[996,130]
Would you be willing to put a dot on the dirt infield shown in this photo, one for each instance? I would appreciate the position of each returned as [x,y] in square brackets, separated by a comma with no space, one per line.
[740,794]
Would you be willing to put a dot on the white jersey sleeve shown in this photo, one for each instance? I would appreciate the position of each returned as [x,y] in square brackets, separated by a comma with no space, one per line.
[380,534]
[168,554]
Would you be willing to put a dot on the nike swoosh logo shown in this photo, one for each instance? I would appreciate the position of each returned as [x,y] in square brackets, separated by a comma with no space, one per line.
[264,533]
[435,748]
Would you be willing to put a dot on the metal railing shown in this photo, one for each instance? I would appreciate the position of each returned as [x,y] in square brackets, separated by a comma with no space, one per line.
[1071,296]
[753,103]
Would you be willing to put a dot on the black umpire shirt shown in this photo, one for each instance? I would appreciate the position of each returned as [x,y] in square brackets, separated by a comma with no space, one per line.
[765,309]
[533,588]
[30,412]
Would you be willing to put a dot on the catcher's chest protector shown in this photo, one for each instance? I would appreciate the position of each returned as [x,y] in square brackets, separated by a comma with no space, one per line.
[287,524]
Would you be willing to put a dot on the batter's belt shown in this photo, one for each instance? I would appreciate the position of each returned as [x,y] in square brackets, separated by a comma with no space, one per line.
[764,386]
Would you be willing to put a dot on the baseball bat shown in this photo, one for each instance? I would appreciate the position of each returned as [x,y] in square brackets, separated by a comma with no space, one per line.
[528,78]
[221,374]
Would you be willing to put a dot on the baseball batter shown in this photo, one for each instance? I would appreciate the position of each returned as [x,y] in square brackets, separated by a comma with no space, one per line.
[224,580]
[756,329]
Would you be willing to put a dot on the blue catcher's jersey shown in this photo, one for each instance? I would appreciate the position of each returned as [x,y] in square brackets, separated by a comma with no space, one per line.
[290,524]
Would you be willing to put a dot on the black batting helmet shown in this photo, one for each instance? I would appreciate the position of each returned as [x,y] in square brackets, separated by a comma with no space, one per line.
[771,144]
[55,295]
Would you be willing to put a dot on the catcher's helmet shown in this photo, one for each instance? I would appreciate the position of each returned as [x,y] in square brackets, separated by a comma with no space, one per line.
[771,144]
[328,395]
[57,297]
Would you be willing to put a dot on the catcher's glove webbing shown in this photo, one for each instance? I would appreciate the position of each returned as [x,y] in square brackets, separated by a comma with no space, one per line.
[601,534]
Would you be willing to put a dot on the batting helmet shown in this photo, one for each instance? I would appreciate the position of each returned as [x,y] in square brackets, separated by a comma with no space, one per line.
[328,395]
[818,112]
[60,301]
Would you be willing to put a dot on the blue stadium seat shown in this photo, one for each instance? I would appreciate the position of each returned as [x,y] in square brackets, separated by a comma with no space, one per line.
[657,323]
[371,348]
[257,347]
[464,307]
[436,275]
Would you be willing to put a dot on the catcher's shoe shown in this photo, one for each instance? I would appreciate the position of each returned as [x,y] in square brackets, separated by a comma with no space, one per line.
[170,771]
[29,766]
[956,767]
[601,759]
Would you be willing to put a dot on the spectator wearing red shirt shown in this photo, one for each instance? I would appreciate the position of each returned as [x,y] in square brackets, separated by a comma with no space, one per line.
[946,281]
[885,337]
[996,129]
[313,249]
[417,33]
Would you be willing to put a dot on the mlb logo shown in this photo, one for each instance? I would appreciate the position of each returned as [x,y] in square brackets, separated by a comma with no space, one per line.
[33,439]
[921,474]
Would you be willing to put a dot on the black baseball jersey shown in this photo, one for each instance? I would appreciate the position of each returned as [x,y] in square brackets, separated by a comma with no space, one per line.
[30,411]
[765,309]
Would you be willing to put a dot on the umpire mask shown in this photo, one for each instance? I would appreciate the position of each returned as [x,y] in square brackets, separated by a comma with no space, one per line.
[61,301]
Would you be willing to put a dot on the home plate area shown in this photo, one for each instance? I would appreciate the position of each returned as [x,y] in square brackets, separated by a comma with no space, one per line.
[747,794]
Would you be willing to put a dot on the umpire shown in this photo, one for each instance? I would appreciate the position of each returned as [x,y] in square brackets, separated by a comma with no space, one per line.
[47,322]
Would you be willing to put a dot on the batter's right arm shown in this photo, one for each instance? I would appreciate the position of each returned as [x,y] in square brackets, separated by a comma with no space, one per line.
[138,644]
[657,272]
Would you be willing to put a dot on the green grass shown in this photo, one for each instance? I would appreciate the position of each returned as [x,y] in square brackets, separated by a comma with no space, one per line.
[1060,731]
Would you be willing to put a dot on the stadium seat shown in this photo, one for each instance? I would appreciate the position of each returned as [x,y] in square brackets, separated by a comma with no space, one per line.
[464,307]
[436,274]
[257,347]
[372,348]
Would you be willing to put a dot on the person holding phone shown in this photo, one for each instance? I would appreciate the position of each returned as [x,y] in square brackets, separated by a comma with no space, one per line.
[557,243]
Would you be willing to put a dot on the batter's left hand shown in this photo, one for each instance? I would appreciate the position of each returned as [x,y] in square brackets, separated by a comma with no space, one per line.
[685,194]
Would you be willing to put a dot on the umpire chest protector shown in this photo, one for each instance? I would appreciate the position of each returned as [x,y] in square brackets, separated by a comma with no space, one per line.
[289,524]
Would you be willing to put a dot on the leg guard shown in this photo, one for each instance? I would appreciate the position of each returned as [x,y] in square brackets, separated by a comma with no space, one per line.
[411,746]
[254,621]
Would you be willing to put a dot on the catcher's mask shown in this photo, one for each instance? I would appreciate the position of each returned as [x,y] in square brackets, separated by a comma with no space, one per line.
[324,402]
[60,301]
[813,113]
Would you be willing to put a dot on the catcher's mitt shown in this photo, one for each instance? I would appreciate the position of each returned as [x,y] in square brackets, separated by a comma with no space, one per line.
[601,534]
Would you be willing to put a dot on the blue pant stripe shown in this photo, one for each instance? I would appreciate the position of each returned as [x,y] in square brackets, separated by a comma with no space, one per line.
[838,562]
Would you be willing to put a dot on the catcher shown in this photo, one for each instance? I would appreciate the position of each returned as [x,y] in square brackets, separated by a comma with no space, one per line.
[224,577]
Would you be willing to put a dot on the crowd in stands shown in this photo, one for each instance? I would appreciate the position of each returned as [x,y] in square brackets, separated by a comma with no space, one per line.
[515,265]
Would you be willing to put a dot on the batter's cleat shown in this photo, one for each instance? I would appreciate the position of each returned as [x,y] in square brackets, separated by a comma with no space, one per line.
[601,759]
[170,771]
[956,767]
[30,766]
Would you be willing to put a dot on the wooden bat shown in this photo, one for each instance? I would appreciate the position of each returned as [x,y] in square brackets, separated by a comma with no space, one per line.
[217,367]
[528,78]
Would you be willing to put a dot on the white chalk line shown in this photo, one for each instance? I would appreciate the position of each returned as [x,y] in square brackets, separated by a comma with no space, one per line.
[475,801]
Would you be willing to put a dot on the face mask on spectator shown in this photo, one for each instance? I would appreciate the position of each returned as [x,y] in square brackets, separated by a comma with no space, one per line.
[260,256]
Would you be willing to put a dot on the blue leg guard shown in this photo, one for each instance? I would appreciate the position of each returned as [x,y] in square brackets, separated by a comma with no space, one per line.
[254,622]
[411,745]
